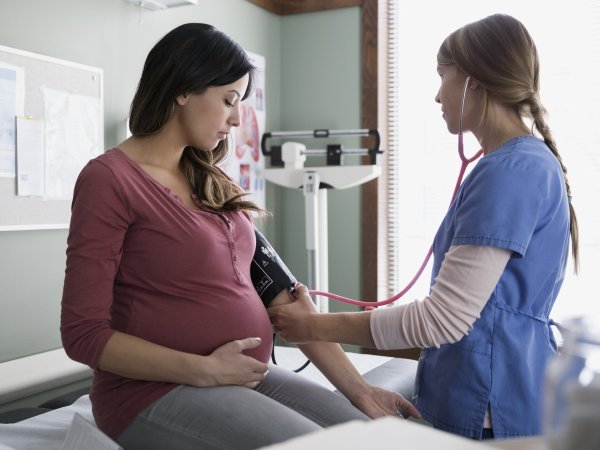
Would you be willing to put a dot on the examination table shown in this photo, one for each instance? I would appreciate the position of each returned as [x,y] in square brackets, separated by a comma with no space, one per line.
[45,426]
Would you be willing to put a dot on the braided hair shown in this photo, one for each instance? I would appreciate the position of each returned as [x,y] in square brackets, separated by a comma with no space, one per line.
[500,54]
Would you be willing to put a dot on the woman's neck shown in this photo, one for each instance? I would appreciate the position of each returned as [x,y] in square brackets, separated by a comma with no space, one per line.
[504,125]
[156,150]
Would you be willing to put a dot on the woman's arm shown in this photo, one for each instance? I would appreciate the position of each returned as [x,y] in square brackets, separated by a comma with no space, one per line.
[375,402]
[136,358]
[332,361]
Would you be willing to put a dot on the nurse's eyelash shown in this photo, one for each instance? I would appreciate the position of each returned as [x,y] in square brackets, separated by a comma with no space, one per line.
[228,103]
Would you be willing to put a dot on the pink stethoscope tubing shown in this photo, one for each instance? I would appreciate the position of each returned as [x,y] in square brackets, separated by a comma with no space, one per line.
[463,167]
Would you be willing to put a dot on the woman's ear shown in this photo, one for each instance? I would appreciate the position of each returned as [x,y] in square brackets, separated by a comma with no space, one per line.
[473,84]
[182,99]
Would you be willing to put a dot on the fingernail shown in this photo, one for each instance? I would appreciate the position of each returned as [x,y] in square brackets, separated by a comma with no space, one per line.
[258,340]
[294,291]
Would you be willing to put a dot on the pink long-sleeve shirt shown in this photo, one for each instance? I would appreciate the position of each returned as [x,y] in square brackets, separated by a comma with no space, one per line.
[140,262]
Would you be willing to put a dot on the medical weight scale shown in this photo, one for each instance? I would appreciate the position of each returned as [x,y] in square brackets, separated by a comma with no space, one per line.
[287,170]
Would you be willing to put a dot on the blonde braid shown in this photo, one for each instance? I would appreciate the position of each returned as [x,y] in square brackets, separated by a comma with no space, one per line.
[537,112]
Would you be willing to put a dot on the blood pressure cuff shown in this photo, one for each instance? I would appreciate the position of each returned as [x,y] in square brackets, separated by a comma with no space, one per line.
[269,274]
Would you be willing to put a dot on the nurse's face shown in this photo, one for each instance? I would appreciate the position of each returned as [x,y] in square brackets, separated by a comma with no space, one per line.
[449,97]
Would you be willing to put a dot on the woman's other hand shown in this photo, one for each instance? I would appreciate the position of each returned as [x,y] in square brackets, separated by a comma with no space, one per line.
[376,402]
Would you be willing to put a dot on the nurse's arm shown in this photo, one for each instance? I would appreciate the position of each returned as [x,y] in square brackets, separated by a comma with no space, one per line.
[301,322]
[463,286]
[466,280]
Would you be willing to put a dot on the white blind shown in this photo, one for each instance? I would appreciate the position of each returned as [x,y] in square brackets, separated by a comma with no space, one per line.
[389,255]
[422,160]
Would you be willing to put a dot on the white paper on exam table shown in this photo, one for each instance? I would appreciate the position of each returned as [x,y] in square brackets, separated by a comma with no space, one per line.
[83,435]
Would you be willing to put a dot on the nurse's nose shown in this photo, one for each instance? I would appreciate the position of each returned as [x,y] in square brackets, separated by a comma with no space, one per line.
[437,97]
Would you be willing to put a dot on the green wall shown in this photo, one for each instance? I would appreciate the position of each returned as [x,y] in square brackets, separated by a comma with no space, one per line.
[312,78]
[320,75]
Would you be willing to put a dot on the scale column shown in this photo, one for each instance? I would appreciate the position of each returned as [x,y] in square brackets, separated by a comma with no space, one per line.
[315,205]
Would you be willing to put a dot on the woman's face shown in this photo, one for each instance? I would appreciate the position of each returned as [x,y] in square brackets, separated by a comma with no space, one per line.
[449,97]
[206,119]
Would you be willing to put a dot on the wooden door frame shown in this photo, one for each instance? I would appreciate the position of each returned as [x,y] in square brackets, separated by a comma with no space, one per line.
[286,7]
[369,116]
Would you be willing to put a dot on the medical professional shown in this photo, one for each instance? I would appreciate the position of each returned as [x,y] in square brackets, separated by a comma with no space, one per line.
[499,254]
[158,297]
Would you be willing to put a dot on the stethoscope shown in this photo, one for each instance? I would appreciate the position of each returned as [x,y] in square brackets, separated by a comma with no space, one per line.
[464,164]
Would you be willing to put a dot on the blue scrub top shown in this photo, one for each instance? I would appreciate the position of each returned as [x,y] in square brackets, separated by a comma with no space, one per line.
[514,198]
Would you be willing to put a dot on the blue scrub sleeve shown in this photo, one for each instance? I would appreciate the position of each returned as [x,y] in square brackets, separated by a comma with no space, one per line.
[499,205]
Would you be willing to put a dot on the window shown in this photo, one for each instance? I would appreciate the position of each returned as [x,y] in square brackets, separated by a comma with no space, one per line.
[422,160]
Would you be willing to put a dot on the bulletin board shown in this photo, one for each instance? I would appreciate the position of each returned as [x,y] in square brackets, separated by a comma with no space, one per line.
[53,92]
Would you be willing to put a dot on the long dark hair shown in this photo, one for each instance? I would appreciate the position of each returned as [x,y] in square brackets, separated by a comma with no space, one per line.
[188,60]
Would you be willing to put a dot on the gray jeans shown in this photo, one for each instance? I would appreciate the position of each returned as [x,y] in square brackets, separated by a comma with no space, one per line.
[283,406]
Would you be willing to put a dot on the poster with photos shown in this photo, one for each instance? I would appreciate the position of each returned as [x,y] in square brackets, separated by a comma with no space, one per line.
[245,163]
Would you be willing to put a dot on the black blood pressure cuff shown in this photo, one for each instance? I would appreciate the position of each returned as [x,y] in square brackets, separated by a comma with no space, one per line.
[269,274]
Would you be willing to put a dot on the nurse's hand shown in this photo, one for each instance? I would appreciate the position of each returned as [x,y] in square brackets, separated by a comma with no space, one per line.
[294,321]
[376,402]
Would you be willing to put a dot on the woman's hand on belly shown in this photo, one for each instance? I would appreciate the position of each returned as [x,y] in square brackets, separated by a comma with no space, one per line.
[132,357]
[227,365]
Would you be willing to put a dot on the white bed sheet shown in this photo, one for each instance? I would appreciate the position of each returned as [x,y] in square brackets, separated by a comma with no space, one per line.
[48,431]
